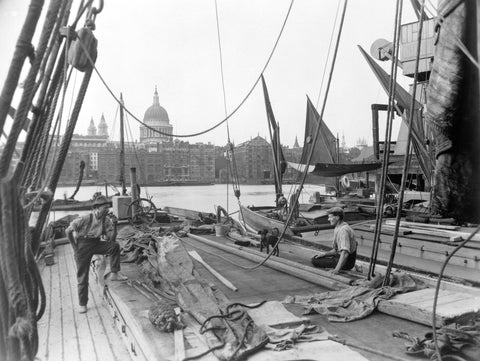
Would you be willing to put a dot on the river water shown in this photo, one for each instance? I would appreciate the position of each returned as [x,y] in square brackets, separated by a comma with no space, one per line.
[200,198]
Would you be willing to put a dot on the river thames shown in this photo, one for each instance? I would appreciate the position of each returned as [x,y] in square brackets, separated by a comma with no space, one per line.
[201,198]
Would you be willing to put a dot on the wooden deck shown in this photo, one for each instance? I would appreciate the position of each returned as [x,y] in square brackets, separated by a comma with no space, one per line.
[65,334]
[420,253]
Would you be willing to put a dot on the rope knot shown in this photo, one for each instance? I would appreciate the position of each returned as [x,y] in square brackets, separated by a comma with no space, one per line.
[21,328]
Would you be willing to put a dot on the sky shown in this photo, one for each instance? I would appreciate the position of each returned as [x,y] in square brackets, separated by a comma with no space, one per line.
[173,45]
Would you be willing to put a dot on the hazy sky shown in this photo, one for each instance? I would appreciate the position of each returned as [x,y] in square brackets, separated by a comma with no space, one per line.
[173,44]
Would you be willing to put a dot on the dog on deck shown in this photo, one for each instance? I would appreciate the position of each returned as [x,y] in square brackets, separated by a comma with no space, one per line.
[267,240]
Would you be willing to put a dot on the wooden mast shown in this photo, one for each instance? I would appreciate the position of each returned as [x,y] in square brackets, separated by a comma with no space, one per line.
[122,149]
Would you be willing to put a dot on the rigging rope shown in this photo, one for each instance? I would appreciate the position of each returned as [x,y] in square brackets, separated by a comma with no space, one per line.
[231,157]
[23,48]
[222,121]
[328,53]
[407,158]
[29,88]
[388,136]
[310,155]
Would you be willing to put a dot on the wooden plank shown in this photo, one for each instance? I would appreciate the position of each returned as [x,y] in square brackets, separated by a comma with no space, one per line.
[72,348]
[55,344]
[222,279]
[44,324]
[149,343]
[465,257]
[178,337]
[318,271]
[441,233]
[417,306]
[294,271]
[423,225]
[319,350]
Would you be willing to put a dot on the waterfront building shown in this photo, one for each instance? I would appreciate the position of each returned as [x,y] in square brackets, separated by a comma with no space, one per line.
[254,161]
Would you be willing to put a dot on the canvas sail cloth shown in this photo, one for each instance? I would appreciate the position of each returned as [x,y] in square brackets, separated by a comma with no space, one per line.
[324,159]
[278,157]
[453,111]
[404,100]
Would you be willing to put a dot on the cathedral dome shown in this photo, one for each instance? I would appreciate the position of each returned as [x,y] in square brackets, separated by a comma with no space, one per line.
[156,114]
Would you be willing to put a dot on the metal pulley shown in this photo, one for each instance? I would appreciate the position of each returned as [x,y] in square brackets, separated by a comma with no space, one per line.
[82,52]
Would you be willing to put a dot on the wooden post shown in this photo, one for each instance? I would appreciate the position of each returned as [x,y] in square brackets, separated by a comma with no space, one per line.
[376,143]
[134,188]
[122,149]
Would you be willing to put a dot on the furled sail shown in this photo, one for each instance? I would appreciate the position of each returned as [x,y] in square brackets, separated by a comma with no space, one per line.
[404,100]
[279,159]
[336,170]
[324,158]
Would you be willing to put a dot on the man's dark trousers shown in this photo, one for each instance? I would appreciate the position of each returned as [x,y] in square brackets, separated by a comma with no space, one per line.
[83,256]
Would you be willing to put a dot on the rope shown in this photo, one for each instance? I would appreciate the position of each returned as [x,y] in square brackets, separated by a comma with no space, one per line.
[221,64]
[310,155]
[228,316]
[328,54]
[57,167]
[29,89]
[23,48]
[407,158]
[222,121]
[21,333]
[388,136]
[437,290]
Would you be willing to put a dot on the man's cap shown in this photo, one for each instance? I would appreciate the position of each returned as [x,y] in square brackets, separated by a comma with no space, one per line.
[100,201]
[336,211]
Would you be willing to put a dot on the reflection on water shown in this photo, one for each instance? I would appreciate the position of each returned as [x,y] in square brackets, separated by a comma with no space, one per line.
[200,198]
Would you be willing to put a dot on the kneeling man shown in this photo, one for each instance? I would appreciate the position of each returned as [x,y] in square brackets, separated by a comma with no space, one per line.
[344,252]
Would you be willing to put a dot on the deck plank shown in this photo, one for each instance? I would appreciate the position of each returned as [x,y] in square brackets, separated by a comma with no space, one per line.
[71,345]
[54,347]
[64,333]
[417,306]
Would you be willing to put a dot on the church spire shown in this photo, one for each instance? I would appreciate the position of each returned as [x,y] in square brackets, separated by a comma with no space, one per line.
[295,145]
[92,129]
[103,127]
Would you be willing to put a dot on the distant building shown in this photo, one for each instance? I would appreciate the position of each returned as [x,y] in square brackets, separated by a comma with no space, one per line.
[159,158]
[254,161]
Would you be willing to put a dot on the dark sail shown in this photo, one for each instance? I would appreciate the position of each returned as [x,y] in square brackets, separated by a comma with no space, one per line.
[279,159]
[325,148]
[404,99]
[324,157]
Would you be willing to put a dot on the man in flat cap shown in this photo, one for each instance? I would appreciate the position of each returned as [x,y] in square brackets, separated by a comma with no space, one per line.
[344,252]
[91,234]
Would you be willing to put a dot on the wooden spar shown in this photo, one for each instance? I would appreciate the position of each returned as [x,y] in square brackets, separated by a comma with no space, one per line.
[423,225]
[133,185]
[324,281]
[222,279]
[439,232]
[178,336]
[318,271]
[122,149]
